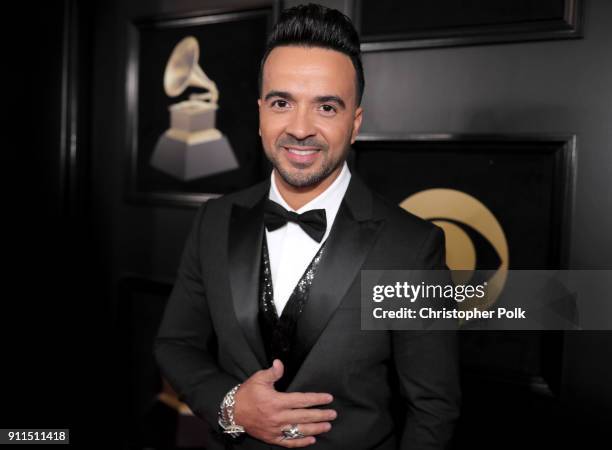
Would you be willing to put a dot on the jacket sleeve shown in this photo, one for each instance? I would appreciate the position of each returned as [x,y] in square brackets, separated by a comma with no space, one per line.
[427,365]
[185,344]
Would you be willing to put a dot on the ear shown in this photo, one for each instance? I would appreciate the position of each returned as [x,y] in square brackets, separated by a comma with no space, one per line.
[356,123]
[259,105]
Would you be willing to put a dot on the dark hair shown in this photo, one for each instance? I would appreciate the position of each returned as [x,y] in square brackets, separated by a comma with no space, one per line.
[317,26]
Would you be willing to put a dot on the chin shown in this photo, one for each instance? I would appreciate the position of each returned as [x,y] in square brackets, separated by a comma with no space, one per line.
[298,180]
[301,179]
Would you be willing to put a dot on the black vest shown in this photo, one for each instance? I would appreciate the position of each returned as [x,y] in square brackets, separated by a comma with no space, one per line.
[278,333]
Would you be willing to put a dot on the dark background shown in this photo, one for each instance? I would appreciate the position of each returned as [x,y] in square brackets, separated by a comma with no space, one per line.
[72,239]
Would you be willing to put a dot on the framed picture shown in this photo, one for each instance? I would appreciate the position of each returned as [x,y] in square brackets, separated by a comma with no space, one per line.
[504,202]
[192,118]
[393,25]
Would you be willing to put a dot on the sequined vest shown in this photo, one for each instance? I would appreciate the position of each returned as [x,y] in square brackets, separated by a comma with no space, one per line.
[278,333]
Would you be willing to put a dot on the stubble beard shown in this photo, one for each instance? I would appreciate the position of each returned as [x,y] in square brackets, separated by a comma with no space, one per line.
[301,179]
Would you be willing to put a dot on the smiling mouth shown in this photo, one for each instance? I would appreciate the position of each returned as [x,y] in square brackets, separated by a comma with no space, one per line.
[301,151]
[301,157]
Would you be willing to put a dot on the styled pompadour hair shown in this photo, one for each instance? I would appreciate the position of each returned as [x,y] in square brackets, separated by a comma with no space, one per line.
[317,26]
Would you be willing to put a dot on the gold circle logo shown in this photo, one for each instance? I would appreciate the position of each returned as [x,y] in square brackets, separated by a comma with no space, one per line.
[452,210]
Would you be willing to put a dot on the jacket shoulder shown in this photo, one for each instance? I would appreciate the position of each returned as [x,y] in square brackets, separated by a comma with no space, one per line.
[408,240]
[398,219]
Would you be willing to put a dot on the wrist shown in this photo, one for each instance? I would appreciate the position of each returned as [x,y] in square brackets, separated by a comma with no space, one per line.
[226,414]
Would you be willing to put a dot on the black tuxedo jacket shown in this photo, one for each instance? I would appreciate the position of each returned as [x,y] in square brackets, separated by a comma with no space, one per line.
[392,389]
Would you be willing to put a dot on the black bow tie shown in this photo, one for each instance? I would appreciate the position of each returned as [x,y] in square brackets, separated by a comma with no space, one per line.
[313,222]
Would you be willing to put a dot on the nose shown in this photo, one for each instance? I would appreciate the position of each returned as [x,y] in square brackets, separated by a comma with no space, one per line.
[300,124]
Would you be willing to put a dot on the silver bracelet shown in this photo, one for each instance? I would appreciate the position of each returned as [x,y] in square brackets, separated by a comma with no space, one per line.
[226,414]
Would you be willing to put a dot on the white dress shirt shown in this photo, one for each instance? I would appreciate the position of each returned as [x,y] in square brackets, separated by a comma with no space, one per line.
[290,249]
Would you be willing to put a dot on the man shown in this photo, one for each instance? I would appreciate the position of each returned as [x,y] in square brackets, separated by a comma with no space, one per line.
[261,336]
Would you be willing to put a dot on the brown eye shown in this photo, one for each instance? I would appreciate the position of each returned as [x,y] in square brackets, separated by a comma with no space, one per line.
[280,103]
[328,109]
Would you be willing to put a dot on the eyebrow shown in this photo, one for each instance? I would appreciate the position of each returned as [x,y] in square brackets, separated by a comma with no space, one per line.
[331,98]
[319,99]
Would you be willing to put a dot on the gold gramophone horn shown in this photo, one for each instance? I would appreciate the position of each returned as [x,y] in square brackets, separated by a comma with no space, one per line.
[183,71]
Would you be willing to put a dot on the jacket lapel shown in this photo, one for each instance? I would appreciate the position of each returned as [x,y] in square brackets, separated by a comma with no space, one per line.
[353,233]
[244,254]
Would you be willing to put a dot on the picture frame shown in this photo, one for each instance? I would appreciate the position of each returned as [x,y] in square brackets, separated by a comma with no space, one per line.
[191,106]
[388,25]
[527,182]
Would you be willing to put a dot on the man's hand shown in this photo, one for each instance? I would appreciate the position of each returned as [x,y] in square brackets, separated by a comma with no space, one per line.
[264,412]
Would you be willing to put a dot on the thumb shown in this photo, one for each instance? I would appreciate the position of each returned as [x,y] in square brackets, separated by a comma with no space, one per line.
[274,373]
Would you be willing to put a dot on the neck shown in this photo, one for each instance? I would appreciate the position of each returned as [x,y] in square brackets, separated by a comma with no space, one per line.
[296,197]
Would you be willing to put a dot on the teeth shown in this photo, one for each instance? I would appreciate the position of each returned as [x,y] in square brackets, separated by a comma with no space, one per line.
[301,152]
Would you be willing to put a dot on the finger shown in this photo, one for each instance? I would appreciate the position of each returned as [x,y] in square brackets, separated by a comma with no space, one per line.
[304,399]
[295,443]
[308,415]
[311,429]
[272,374]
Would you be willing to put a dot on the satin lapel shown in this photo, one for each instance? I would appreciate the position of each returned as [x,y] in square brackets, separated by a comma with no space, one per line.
[353,233]
[245,242]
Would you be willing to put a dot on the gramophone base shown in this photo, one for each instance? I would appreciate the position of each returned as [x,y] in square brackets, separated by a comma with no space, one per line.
[187,161]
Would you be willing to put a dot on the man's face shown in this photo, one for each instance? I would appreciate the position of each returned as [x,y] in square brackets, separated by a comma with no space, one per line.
[308,114]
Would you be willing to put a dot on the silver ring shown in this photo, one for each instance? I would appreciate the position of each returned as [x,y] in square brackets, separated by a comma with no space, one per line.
[292,433]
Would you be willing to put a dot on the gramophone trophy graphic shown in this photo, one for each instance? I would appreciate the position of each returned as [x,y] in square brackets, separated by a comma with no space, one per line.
[192,147]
